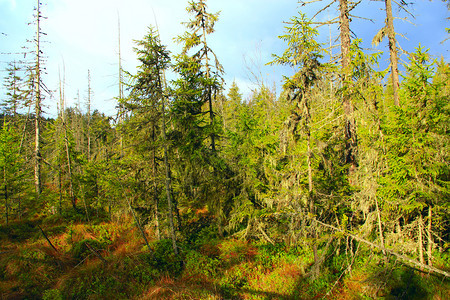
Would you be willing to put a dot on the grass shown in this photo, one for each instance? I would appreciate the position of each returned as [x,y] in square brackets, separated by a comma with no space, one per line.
[105,260]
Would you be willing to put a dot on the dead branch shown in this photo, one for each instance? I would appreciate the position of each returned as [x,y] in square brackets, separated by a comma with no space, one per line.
[48,240]
[406,260]
[95,252]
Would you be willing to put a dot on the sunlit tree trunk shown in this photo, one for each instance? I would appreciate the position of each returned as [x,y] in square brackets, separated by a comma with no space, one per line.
[6,195]
[89,117]
[209,91]
[350,126]
[380,228]
[168,182]
[392,50]
[155,187]
[420,239]
[430,238]
[37,91]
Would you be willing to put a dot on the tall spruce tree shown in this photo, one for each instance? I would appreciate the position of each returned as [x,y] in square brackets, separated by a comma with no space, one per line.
[196,39]
[148,103]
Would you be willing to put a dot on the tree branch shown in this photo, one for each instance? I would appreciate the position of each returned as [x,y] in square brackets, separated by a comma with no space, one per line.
[403,258]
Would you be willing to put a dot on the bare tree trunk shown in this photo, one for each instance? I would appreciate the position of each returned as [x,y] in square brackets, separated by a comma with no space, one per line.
[380,228]
[120,94]
[345,35]
[350,126]
[403,258]
[155,191]
[66,142]
[89,118]
[309,154]
[392,50]
[37,125]
[6,195]
[60,190]
[69,168]
[420,240]
[430,238]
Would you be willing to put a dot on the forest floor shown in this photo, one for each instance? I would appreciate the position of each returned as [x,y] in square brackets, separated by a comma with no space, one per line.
[108,260]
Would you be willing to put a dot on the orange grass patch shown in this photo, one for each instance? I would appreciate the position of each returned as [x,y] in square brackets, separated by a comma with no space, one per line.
[185,288]
[279,282]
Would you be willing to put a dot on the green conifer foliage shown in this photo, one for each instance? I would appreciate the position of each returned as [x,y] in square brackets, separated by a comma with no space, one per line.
[417,149]
[11,168]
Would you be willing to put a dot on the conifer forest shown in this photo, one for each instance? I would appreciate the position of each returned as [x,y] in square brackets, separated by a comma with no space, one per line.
[334,186]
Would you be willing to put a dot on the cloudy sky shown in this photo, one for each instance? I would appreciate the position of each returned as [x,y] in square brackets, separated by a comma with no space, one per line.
[83,35]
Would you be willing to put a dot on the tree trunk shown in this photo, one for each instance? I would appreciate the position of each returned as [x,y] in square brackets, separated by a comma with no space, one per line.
[350,126]
[168,175]
[168,189]
[420,240]
[430,238]
[37,87]
[380,228]
[66,141]
[120,94]
[60,190]
[403,258]
[392,50]
[89,118]
[6,195]
[309,154]
[69,168]
[155,189]
[209,92]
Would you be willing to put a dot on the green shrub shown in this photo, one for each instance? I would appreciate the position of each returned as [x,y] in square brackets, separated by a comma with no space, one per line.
[80,250]
[95,281]
[196,263]
[72,215]
[19,231]
[105,233]
[199,231]
[234,280]
[406,284]
[53,294]
[164,259]
[235,251]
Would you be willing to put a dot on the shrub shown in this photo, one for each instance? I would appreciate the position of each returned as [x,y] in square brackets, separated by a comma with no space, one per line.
[164,258]
[53,294]
[198,264]
[81,251]
[235,251]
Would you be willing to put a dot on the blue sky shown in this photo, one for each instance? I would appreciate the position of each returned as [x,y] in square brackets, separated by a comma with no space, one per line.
[83,35]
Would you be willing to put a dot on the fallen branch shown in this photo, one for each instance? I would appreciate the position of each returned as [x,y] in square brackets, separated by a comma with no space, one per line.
[403,258]
[48,240]
[265,235]
[95,252]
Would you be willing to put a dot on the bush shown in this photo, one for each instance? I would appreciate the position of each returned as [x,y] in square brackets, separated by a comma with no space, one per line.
[198,264]
[164,258]
[81,251]
[235,251]
[94,280]
[406,284]
[19,231]
[72,215]
[198,230]
[52,294]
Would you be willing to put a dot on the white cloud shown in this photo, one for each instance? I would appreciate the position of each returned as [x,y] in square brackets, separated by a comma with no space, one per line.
[84,34]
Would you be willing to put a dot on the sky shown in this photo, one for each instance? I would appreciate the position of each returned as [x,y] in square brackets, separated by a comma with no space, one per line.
[83,35]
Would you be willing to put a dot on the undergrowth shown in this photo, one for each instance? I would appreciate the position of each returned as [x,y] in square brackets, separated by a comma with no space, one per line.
[105,260]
